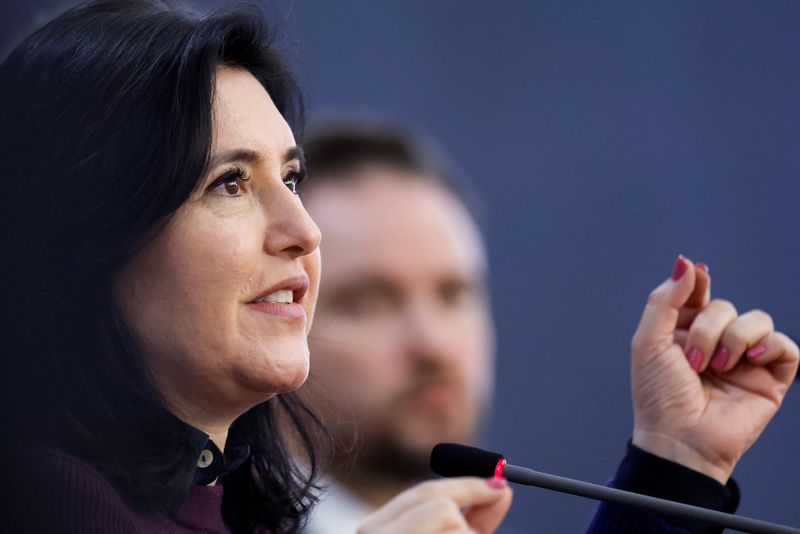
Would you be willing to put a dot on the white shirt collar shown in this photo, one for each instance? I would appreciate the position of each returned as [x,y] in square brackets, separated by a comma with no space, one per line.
[337,512]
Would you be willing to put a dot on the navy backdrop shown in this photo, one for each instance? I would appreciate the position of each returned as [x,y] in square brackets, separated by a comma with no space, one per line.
[605,138]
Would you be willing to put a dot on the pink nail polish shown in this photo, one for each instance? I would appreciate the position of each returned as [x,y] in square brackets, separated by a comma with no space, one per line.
[695,358]
[496,483]
[720,358]
[680,268]
[757,351]
[703,267]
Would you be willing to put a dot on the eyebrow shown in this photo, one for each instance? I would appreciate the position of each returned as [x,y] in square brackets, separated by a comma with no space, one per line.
[246,155]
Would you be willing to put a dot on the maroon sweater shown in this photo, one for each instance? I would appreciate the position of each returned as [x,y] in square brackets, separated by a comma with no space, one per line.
[74,498]
[78,499]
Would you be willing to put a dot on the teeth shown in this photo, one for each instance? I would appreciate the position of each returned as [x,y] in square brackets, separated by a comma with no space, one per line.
[284,296]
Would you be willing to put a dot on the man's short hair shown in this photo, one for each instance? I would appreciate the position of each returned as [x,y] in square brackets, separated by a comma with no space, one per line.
[336,149]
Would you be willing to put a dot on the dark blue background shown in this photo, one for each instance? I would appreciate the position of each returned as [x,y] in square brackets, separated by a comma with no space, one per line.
[605,138]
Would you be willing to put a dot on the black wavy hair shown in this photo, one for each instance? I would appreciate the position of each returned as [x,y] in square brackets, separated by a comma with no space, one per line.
[105,130]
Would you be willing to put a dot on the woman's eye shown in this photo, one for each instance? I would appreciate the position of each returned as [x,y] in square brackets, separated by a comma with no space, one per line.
[232,187]
[293,179]
[230,183]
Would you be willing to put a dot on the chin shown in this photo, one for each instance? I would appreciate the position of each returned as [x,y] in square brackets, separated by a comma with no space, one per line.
[297,378]
[280,372]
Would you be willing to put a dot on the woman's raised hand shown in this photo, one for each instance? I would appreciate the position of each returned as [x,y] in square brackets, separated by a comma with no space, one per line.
[705,380]
[453,505]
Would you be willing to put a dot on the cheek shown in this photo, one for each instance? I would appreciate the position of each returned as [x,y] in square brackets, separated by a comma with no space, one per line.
[347,363]
[478,353]
[183,289]
[214,261]
[205,282]
[351,358]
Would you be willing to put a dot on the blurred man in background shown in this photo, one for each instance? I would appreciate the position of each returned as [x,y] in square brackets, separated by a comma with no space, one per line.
[403,351]
[403,344]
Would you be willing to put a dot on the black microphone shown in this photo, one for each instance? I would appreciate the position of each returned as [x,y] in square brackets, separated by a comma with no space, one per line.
[451,459]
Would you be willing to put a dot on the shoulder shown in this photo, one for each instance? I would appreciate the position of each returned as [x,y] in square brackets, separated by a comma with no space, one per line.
[60,489]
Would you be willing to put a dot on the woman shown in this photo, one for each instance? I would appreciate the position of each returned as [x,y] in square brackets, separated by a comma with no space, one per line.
[164,280]
[161,283]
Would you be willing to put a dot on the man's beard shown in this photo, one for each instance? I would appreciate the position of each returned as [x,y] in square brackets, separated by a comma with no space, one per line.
[387,458]
[397,450]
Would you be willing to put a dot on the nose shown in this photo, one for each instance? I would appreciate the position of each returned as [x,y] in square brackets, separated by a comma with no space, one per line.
[290,230]
[429,335]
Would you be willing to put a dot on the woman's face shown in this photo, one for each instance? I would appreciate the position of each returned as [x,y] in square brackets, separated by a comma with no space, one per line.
[222,299]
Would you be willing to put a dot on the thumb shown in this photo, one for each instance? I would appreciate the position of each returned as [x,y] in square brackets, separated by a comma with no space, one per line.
[660,317]
[485,517]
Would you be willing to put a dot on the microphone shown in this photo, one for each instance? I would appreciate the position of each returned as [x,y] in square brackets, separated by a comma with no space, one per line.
[451,459]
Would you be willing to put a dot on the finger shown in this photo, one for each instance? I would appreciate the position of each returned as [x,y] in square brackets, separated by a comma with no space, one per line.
[779,353]
[679,338]
[659,319]
[740,335]
[485,518]
[435,515]
[463,491]
[698,299]
[706,332]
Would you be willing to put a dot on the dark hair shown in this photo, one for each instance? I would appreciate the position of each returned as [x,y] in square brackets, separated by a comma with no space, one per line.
[336,148]
[106,131]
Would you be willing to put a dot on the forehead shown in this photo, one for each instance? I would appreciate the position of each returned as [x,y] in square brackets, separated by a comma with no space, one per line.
[388,223]
[245,116]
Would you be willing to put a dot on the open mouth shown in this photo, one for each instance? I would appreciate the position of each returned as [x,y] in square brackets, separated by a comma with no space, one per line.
[285,292]
[283,298]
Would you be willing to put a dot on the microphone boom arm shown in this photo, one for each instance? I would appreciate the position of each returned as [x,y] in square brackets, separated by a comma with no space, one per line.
[529,477]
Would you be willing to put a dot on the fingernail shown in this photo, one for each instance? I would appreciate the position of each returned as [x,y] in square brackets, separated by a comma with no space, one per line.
[496,483]
[757,351]
[720,359]
[703,267]
[680,268]
[695,358]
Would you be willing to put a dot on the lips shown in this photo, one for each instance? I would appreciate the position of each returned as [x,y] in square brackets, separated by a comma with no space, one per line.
[282,298]
[298,285]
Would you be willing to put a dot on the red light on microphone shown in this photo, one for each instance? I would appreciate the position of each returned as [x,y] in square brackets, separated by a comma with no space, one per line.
[498,469]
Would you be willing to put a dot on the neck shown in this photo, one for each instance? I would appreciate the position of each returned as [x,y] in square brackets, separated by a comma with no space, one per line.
[197,412]
[219,436]
[217,429]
